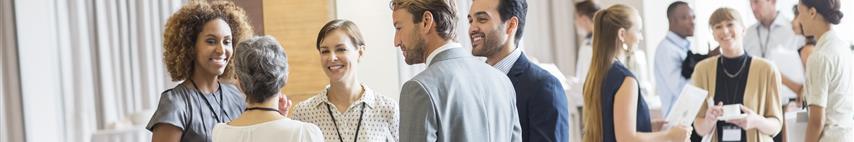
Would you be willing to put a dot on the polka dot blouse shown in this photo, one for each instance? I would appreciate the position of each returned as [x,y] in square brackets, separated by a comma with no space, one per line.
[380,120]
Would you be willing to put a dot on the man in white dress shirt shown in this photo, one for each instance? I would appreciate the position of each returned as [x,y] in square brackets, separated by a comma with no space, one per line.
[671,52]
[773,34]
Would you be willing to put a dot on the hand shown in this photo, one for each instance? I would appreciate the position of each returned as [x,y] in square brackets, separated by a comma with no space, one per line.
[748,122]
[284,104]
[680,133]
[714,112]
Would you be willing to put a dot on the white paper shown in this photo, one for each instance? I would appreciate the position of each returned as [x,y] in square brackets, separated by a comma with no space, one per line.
[686,107]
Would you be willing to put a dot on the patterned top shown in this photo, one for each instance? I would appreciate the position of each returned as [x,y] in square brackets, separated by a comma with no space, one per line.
[380,121]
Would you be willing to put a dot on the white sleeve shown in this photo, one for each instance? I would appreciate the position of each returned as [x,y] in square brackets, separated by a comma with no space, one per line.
[817,80]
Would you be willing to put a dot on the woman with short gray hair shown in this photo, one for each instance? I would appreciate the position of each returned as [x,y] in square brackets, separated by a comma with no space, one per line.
[262,68]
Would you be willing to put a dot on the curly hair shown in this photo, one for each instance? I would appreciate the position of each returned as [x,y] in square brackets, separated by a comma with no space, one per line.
[184,26]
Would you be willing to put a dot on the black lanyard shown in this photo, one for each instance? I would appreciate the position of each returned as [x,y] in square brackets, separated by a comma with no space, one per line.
[358,126]
[218,119]
[763,47]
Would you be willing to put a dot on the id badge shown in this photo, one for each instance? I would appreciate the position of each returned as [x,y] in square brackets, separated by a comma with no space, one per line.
[731,133]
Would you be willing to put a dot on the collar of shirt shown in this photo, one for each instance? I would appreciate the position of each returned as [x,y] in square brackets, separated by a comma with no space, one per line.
[678,41]
[505,64]
[827,40]
[367,98]
[778,22]
[449,45]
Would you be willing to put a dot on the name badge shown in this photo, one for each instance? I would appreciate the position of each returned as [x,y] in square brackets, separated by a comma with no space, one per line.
[731,133]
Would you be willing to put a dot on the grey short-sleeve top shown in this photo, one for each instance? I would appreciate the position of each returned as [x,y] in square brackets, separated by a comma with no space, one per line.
[197,114]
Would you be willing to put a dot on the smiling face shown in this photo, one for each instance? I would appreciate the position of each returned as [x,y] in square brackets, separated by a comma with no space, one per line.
[487,32]
[408,38]
[214,47]
[339,57]
[728,34]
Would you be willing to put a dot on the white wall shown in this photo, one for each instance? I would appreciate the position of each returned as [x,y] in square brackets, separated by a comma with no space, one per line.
[847,23]
[379,68]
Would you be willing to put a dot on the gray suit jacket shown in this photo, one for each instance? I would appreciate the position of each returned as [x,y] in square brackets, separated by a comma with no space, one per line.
[459,99]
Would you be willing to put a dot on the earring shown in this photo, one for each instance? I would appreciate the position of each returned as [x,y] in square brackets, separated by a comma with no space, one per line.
[625,47]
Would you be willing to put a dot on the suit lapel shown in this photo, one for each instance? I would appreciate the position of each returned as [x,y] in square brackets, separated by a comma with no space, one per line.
[522,64]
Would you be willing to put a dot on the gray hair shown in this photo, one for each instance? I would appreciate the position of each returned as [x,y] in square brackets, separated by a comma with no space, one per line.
[262,67]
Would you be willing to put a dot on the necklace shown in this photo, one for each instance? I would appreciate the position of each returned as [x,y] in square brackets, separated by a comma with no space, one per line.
[731,75]
[262,109]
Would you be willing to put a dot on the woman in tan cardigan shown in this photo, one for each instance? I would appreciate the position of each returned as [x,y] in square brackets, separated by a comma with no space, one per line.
[737,78]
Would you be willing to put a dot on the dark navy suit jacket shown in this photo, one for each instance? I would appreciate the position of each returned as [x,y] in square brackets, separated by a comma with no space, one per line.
[541,103]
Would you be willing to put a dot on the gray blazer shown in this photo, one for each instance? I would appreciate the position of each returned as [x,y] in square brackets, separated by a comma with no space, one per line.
[459,99]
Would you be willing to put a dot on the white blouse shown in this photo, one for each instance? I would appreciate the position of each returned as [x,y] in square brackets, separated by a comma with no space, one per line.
[282,130]
[380,121]
[830,80]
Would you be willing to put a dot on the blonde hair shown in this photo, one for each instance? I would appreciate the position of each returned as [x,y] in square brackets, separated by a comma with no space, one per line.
[606,46]
[724,14]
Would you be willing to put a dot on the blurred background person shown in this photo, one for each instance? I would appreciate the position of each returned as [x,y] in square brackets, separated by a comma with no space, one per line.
[671,52]
[584,11]
[769,38]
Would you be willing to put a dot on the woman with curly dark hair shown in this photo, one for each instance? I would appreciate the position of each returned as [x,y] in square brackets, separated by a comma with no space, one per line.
[198,44]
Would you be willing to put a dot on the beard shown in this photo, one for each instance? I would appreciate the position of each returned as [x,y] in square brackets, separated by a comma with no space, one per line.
[490,44]
[415,55]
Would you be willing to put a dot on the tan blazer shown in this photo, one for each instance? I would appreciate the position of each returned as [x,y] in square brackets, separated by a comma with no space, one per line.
[761,94]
